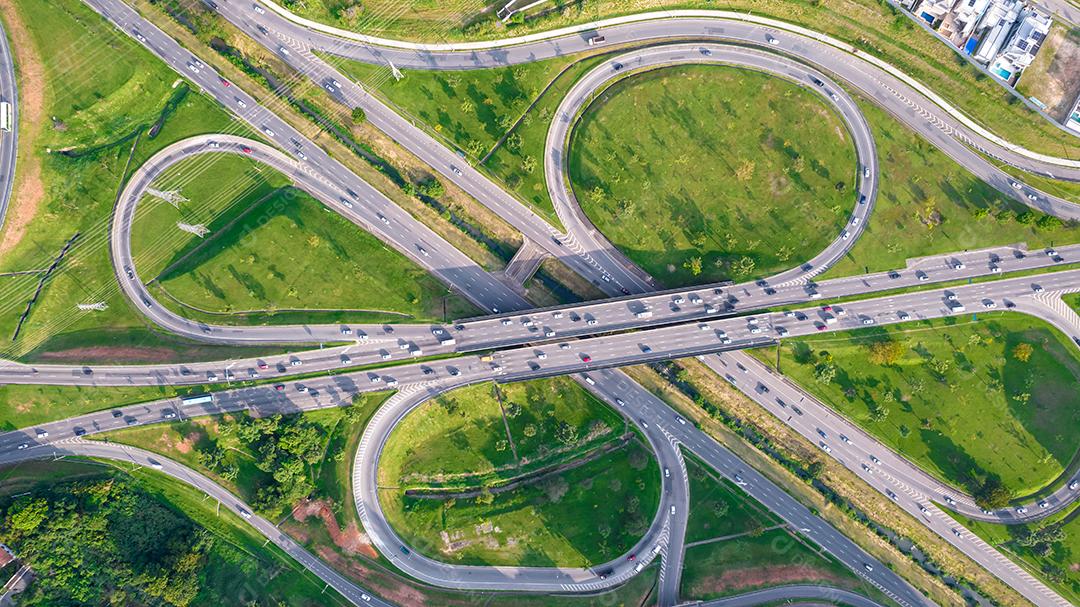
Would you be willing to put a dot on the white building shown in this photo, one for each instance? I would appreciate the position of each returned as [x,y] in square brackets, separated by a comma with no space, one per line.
[934,11]
[993,30]
[1073,121]
[1020,50]
[960,23]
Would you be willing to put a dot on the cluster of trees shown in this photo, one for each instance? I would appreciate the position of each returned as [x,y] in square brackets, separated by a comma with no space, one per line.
[1041,541]
[285,448]
[105,542]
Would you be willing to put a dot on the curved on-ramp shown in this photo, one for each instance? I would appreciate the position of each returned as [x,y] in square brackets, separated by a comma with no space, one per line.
[674,497]
[625,65]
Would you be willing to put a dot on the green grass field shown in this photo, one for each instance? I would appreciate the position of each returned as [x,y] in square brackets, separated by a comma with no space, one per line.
[929,204]
[773,558]
[460,438]
[103,92]
[575,518]
[871,26]
[472,110]
[952,394]
[718,508]
[1073,299]
[593,499]
[25,406]
[1059,567]
[274,252]
[711,163]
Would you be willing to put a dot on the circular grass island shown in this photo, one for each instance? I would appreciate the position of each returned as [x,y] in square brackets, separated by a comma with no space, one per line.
[536,473]
[703,173]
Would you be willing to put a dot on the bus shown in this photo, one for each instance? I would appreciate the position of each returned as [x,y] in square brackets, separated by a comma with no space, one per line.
[197,399]
[5,116]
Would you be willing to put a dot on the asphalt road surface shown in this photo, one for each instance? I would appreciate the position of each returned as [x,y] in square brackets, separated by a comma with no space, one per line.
[671,341]
[9,141]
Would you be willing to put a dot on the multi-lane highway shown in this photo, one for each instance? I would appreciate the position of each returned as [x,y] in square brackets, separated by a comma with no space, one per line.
[9,140]
[390,344]
[590,256]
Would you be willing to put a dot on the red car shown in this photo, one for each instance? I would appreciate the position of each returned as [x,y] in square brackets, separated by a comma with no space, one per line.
[279,387]
[826,308]
[263,365]
[820,327]
[630,558]
[585,358]
[225,82]
[245,149]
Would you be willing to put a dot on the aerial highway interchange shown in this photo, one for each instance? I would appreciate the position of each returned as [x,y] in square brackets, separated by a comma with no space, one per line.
[590,340]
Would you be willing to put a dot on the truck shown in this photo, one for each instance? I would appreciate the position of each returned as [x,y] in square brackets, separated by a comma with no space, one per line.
[486,358]
[197,399]
[597,39]
[5,116]
[643,314]
[956,306]
[446,339]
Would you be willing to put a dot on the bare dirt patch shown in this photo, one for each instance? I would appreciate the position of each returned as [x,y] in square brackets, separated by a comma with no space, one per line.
[350,539]
[31,80]
[756,577]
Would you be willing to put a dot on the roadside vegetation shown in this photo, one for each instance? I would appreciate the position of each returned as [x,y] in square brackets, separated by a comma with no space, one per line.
[872,26]
[111,537]
[707,173]
[989,406]
[734,545]
[838,495]
[1048,549]
[274,254]
[929,204]
[1073,300]
[107,106]
[499,118]
[718,509]
[271,462]
[532,473]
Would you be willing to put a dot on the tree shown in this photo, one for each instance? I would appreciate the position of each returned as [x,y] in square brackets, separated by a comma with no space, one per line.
[825,373]
[566,433]
[1022,352]
[694,265]
[878,412]
[485,498]
[744,266]
[745,172]
[358,115]
[27,514]
[814,470]
[992,494]
[886,352]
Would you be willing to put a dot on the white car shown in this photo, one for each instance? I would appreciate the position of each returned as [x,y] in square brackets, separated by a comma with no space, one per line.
[193,68]
[240,103]
[268,132]
[772,40]
[846,235]
[259,9]
[283,50]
